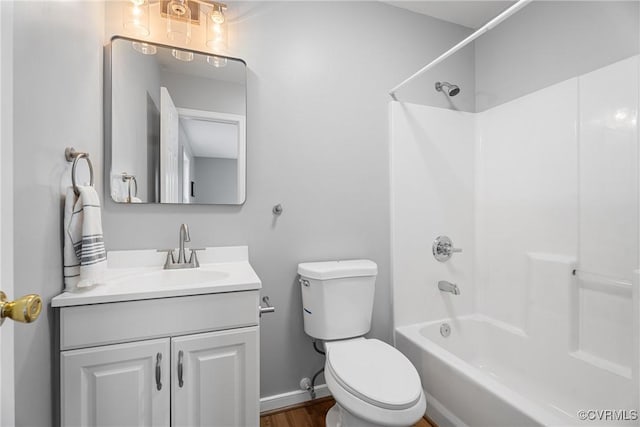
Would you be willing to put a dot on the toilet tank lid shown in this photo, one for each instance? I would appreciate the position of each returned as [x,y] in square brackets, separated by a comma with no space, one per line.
[337,269]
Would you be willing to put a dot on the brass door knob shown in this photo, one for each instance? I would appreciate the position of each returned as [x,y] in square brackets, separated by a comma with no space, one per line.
[25,309]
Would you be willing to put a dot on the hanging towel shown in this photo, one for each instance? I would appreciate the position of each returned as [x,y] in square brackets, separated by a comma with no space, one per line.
[85,258]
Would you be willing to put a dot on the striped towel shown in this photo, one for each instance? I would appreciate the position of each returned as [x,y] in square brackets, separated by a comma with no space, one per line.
[85,258]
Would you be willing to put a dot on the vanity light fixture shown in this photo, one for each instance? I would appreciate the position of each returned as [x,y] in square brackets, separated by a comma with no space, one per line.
[144,48]
[182,55]
[135,17]
[181,15]
[217,61]
[179,21]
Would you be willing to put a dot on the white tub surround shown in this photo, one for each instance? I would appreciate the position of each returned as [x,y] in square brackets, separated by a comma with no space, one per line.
[139,275]
[432,194]
[542,193]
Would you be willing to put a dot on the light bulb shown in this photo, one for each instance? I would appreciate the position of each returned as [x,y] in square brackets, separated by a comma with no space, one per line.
[216,34]
[217,15]
[135,17]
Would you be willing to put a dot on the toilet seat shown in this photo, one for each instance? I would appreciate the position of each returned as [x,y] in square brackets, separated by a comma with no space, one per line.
[375,372]
[374,381]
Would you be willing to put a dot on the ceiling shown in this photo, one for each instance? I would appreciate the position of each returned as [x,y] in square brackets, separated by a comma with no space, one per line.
[472,14]
[210,138]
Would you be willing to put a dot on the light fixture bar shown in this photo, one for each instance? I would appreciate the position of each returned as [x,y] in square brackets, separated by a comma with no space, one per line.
[195,11]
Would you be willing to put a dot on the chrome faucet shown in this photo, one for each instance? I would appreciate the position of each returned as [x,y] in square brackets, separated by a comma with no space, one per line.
[184,237]
[445,286]
[171,263]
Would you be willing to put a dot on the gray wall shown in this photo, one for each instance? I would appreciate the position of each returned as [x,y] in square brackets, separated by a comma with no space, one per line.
[550,41]
[317,143]
[57,103]
[216,180]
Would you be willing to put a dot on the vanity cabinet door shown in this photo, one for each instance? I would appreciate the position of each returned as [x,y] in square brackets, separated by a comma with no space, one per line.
[117,385]
[215,379]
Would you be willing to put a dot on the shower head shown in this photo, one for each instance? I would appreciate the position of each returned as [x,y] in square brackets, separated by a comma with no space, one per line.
[448,88]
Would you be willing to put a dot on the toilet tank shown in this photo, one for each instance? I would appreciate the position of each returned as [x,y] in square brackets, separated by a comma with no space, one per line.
[337,298]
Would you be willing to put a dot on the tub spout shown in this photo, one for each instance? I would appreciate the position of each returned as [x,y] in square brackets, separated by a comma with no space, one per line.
[445,286]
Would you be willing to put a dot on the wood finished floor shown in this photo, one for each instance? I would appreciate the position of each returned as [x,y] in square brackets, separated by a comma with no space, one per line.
[310,414]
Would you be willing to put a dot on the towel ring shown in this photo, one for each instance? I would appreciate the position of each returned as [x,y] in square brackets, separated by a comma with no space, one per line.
[72,155]
[128,179]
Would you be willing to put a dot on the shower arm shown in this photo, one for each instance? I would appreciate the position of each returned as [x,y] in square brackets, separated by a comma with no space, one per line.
[486,27]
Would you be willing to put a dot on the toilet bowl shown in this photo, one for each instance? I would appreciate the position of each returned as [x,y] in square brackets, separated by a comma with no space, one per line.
[372,382]
[373,385]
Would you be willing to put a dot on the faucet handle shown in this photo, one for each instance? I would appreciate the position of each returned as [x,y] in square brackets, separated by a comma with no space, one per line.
[443,249]
[193,258]
[170,257]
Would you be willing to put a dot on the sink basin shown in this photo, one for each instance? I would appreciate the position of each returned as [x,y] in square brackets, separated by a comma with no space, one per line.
[169,278]
[137,275]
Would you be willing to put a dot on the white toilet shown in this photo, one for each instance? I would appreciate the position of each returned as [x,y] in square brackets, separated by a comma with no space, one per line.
[372,382]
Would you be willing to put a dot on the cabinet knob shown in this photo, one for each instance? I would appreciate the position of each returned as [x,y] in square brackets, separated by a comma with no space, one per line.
[25,309]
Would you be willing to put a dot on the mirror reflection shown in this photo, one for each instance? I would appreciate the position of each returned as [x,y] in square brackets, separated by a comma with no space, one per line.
[178,125]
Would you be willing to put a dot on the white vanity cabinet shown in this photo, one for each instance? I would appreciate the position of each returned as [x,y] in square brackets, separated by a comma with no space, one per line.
[215,380]
[180,361]
[117,385]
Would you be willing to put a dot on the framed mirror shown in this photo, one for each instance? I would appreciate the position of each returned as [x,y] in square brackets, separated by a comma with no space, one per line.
[175,125]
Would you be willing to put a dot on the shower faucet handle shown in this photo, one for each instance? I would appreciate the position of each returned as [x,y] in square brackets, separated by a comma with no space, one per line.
[443,248]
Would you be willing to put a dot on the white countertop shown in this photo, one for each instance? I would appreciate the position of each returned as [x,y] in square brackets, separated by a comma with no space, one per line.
[139,275]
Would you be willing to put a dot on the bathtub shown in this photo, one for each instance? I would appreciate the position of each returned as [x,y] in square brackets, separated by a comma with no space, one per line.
[487,373]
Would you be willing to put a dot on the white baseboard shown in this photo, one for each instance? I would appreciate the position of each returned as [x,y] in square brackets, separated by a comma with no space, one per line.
[269,403]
